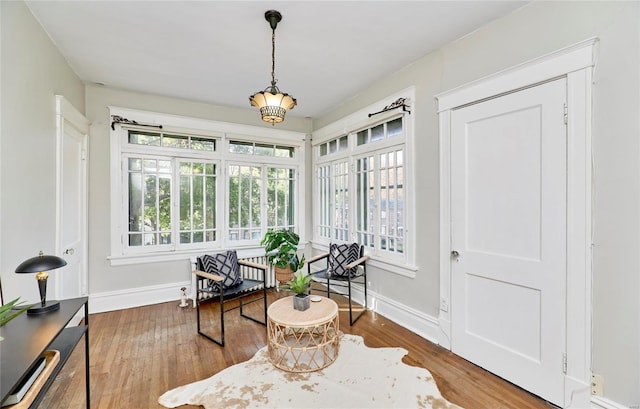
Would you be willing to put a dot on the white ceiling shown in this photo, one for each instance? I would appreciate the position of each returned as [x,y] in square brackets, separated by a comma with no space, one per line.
[219,52]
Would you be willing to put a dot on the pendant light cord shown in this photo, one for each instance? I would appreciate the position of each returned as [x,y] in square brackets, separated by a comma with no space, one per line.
[273,57]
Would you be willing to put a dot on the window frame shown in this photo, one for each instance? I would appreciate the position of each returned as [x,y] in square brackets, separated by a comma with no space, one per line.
[123,254]
[400,263]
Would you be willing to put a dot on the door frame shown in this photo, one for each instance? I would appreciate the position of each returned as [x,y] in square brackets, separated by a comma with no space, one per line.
[576,63]
[66,112]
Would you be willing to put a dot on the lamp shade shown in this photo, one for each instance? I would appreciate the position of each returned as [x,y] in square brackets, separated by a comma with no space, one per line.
[273,105]
[40,263]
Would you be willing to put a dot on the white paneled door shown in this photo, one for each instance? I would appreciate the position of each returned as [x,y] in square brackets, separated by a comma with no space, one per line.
[509,218]
[72,201]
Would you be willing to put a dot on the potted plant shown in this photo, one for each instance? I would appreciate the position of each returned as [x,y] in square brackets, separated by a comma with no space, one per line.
[281,248]
[300,285]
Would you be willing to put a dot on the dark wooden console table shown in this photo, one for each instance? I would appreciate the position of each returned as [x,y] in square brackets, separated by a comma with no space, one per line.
[26,337]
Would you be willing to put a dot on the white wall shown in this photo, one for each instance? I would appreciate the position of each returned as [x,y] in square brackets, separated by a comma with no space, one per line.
[532,31]
[32,73]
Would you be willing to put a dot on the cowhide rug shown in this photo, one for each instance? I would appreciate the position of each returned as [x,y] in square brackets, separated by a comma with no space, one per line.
[361,377]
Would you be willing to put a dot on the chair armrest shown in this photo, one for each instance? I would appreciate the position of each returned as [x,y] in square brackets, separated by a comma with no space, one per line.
[357,262]
[253,265]
[210,276]
[318,257]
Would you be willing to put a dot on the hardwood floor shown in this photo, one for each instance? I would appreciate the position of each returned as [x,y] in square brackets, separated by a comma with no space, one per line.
[140,353]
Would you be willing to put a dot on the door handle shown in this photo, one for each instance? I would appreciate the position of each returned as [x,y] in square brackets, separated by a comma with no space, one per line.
[455,254]
[69,251]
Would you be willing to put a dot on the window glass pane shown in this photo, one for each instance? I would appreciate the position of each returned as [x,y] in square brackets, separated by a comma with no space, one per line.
[394,127]
[245,188]
[164,203]
[241,147]
[197,202]
[323,149]
[210,201]
[344,143]
[149,195]
[264,150]
[284,151]
[185,203]
[135,164]
[203,144]
[150,204]
[333,146]
[164,166]
[197,212]
[149,165]
[135,202]
[175,141]
[377,133]
[144,138]
[135,240]
[363,137]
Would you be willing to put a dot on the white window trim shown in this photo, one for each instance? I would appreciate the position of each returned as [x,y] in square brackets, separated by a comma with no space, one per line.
[222,131]
[352,123]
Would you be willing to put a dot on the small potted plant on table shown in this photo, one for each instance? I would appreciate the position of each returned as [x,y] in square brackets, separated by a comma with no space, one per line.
[281,248]
[300,285]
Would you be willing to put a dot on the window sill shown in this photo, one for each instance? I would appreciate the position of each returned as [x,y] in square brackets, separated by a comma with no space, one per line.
[143,258]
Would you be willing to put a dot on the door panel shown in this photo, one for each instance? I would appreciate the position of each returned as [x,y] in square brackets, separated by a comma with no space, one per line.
[508,179]
[73,280]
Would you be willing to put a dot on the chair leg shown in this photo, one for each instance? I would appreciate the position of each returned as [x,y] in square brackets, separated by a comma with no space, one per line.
[264,301]
[328,289]
[364,308]
[209,337]
[221,320]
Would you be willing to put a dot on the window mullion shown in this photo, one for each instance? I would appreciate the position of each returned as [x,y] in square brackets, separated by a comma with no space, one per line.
[263,200]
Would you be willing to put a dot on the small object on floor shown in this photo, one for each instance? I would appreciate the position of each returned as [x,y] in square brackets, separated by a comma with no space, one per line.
[183,298]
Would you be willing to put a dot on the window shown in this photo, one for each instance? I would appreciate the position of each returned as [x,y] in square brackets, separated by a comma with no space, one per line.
[360,189]
[178,192]
[245,191]
[197,205]
[149,182]
[261,149]
[158,182]
[250,206]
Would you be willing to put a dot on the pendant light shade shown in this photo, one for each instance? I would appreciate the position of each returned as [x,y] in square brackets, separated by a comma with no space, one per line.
[273,103]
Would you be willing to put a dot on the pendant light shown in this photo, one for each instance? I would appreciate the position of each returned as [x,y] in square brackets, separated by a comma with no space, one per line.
[273,103]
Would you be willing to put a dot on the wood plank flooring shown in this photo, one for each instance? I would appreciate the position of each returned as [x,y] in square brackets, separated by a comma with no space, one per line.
[140,353]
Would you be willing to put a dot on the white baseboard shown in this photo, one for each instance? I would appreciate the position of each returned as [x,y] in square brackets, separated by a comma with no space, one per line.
[422,324]
[136,297]
[598,402]
[416,321]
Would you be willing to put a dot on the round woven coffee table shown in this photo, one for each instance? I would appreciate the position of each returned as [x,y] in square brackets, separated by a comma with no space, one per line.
[303,341]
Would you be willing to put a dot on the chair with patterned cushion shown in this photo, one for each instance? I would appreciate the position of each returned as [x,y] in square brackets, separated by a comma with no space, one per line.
[222,277]
[345,265]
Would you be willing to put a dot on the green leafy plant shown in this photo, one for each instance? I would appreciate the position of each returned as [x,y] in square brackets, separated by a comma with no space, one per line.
[299,284]
[281,247]
[7,313]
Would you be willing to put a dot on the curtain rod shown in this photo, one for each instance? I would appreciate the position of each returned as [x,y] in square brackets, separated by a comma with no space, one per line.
[117,119]
[398,103]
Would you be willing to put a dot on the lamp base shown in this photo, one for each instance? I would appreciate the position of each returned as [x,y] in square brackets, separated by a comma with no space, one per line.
[49,306]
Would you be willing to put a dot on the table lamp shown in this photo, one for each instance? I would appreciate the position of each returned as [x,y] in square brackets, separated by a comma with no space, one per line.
[40,265]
